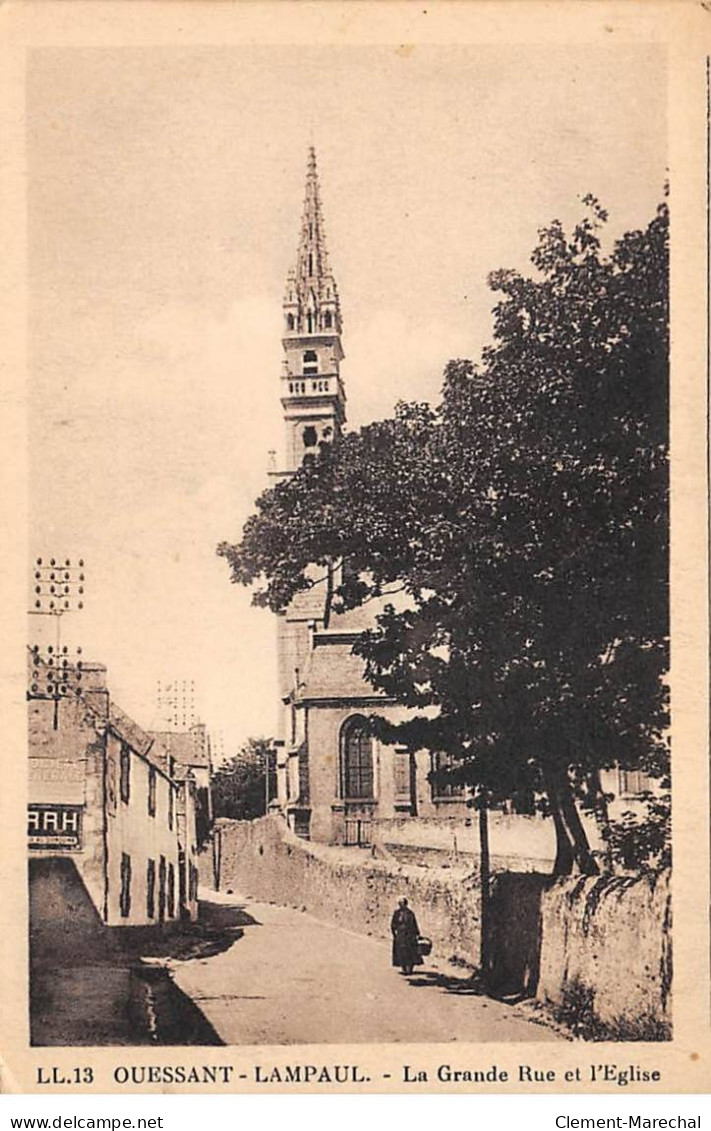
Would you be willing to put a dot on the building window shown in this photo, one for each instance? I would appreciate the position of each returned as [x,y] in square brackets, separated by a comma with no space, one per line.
[151,791]
[401,769]
[171,891]
[444,789]
[304,782]
[125,773]
[356,761]
[310,437]
[310,363]
[151,889]
[634,782]
[161,888]
[171,806]
[290,321]
[125,897]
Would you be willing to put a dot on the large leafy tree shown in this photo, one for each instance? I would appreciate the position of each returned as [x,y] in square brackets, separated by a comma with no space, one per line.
[239,785]
[525,521]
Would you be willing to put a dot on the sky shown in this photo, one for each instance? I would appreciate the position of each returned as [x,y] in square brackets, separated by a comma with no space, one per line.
[164,198]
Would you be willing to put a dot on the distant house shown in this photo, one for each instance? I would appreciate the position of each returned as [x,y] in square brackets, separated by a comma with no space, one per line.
[187,754]
[100,798]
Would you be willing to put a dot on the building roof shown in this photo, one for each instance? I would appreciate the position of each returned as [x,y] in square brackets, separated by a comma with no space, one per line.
[186,748]
[333,672]
[124,726]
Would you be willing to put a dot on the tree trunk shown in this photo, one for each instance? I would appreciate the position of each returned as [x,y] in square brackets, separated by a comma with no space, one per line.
[583,855]
[562,802]
[564,853]
[602,812]
[484,879]
[329,593]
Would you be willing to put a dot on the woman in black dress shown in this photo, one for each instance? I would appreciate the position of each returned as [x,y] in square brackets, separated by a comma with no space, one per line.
[405,931]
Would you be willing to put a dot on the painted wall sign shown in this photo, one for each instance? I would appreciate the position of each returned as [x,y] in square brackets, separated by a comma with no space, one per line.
[54,826]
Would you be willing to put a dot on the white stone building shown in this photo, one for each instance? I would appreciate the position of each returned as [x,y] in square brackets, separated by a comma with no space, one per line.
[102,804]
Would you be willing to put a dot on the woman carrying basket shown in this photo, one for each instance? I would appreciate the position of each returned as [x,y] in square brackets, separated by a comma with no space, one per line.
[406,950]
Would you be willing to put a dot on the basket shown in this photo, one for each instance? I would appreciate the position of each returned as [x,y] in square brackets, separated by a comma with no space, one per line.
[424,945]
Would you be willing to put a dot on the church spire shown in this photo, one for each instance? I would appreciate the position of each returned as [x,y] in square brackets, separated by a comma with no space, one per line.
[313,396]
[311,300]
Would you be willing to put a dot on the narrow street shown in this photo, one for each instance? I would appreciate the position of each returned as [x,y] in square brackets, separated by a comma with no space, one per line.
[282,977]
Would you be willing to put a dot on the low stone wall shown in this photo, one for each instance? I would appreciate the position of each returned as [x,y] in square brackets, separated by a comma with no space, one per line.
[208,866]
[517,843]
[597,950]
[530,838]
[605,960]
[349,887]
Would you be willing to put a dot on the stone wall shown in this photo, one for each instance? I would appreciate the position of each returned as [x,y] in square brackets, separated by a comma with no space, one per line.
[207,866]
[349,887]
[516,843]
[605,960]
[597,950]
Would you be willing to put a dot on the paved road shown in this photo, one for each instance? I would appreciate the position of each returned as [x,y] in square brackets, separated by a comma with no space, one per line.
[282,977]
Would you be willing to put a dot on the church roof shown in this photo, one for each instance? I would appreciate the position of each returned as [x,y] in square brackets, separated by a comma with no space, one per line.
[333,672]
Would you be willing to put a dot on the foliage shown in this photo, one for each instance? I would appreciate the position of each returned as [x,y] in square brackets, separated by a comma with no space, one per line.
[577,1013]
[239,785]
[641,841]
[523,522]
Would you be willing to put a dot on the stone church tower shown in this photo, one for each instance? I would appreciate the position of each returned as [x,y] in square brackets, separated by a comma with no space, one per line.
[314,405]
[334,779]
[312,393]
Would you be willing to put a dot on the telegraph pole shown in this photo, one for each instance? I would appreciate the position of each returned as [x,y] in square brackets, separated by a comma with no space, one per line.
[58,589]
[175,700]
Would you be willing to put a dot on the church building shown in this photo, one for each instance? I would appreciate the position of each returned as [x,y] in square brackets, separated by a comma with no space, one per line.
[334,780]
[336,783]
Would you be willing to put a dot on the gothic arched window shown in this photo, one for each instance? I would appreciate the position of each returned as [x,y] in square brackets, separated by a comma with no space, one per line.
[327,320]
[356,760]
[290,321]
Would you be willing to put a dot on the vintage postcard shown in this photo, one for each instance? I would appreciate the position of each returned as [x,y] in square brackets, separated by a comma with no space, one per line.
[355,590]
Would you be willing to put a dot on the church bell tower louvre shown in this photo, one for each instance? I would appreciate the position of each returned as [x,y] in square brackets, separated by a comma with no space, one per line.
[312,393]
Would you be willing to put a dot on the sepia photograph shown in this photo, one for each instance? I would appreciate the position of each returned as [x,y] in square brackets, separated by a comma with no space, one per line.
[352,669]
[403,381]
